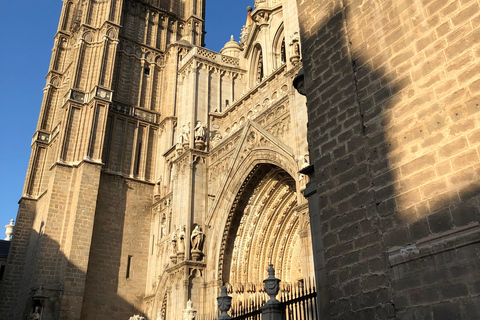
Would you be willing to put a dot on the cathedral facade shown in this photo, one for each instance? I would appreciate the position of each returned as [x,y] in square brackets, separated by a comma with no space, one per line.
[161,170]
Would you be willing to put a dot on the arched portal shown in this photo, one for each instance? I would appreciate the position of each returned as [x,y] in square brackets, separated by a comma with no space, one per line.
[265,227]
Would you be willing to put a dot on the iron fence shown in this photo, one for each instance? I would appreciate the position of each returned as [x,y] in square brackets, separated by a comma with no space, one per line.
[298,300]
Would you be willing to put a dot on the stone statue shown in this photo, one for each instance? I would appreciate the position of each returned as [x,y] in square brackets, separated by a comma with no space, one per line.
[184,134]
[200,131]
[296,49]
[36,314]
[197,239]
[189,313]
[174,243]
[181,240]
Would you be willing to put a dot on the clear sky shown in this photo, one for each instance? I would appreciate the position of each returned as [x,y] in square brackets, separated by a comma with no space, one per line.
[26,39]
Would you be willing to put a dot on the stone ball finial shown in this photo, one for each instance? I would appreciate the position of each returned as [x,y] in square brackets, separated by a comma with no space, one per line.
[249,9]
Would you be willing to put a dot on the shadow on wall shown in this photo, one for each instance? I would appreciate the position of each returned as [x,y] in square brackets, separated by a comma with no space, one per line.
[117,269]
[393,133]
[41,276]
[51,301]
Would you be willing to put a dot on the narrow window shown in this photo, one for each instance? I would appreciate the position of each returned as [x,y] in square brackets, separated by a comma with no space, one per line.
[153,243]
[260,67]
[283,56]
[136,169]
[129,264]
[146,71]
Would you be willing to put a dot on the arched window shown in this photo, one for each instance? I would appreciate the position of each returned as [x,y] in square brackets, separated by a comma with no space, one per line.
[257,65]
[278,48]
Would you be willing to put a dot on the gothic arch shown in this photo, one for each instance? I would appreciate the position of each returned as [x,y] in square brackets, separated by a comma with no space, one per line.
[224,211]
[262,226]
[67,15]
[278,48]
[257,65]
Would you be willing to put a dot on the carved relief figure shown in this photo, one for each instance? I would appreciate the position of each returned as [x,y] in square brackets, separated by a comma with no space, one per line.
[216,139]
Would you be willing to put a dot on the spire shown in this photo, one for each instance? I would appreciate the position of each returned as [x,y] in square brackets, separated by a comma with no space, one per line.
[249,17]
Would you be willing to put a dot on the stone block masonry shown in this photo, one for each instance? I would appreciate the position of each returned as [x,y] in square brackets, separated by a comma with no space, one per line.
[393,99]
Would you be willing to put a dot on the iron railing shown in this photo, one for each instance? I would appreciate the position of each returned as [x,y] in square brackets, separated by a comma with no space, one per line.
[298,300]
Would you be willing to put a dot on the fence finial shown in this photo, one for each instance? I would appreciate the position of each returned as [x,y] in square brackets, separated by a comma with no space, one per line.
[224,304]
[272,285]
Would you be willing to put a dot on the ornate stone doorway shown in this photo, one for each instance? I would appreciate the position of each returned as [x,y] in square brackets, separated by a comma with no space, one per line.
[266,226]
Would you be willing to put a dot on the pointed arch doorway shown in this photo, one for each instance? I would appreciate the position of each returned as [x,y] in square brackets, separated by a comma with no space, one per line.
[266,225]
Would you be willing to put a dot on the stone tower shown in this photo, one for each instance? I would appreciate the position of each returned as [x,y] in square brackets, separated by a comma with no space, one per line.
[108,59]
[161,170]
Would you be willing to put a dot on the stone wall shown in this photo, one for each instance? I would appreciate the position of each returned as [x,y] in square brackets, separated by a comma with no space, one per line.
[392,95]
[117,271]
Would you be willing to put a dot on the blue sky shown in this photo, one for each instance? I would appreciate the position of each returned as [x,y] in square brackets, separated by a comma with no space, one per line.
[26,36]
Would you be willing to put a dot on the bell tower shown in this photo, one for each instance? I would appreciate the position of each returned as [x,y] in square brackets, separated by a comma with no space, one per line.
[81,243]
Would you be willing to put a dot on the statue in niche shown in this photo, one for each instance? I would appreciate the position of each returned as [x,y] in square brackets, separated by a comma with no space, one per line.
[181,243]
[197,239]
[200,131]
[189,313]
[173,255]
[184,135]
[296,49]
[36,314]
[163,227]
[158,189]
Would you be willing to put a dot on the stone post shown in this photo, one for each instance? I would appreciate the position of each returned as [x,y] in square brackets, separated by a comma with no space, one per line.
[272,310]
[224,304]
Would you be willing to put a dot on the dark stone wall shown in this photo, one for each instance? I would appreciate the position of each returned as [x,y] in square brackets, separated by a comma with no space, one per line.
[393,132]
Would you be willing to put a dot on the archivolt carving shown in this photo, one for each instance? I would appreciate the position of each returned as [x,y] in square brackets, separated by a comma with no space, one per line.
[260,216]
